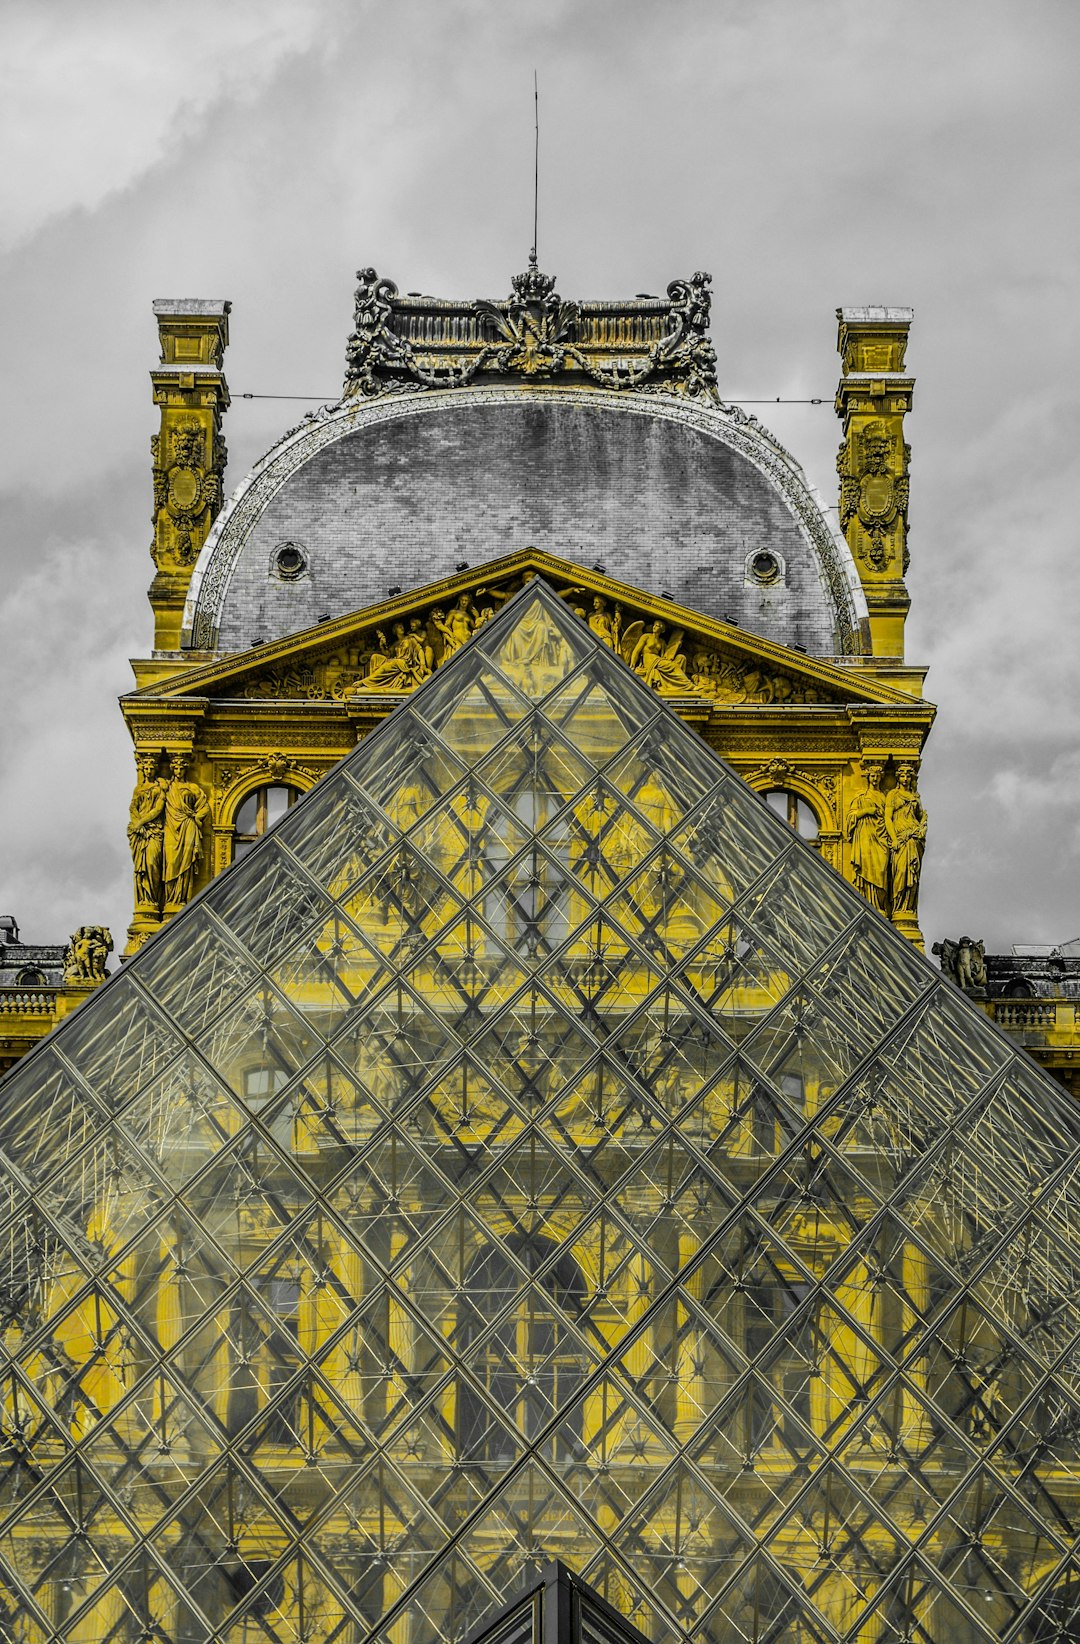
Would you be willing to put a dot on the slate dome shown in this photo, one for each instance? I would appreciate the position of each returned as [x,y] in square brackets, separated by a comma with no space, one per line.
[674,497]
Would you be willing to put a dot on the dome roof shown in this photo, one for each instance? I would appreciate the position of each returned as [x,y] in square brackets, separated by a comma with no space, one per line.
[693,501]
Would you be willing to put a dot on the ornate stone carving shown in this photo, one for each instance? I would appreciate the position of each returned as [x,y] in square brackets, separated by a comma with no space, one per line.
[146,834]
[187,485]
[422,642]
[684,355]
[655,655]
[963,962]
[292,679]
[400,665]
[276,767]
[186,808]
[534,325]
[869,841]
[373,344]
[905,820]
[874,490]
[86,954]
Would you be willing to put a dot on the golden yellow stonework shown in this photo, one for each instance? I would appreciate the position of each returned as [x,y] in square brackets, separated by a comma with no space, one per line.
[280,715]
[873,397]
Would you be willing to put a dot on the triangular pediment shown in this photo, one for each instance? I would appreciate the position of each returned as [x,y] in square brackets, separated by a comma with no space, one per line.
[386,649]
[531,1149]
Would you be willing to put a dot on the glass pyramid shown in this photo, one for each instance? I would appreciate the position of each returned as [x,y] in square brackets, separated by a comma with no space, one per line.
[531,1150]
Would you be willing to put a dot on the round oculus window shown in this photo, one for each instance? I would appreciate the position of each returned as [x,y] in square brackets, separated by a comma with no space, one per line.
[289,560]
[764,566]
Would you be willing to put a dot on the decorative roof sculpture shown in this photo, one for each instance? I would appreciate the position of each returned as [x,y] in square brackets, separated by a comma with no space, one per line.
[411,343]
[531,1148]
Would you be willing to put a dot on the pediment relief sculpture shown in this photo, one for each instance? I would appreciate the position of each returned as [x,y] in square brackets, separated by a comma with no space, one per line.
[392,658]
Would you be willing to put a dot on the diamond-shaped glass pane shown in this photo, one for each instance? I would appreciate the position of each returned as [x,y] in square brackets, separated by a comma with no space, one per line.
[532,1150]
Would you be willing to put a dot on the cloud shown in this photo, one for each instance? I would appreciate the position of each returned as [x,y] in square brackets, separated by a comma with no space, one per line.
[95,96]
[809,155]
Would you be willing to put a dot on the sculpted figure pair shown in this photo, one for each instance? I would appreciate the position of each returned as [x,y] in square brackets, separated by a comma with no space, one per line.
[86,954]
[887,836]
[403,664]
[165,828]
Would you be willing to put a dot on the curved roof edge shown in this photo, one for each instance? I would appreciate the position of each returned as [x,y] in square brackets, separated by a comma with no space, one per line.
[213,570]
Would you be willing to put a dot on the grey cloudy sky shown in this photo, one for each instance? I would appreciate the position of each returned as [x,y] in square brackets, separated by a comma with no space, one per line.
[808,152]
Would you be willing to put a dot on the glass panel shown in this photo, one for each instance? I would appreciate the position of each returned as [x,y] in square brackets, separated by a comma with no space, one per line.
[530,1150]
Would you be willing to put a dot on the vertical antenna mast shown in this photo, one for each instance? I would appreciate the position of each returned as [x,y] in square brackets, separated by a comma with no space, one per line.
[536,166]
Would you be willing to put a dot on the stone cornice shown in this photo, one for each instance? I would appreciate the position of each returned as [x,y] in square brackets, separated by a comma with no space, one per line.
[234,674]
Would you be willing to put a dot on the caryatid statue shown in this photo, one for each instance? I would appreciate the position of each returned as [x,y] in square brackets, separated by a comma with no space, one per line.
[868,838]
[146,835]
[905,821]
[186,809]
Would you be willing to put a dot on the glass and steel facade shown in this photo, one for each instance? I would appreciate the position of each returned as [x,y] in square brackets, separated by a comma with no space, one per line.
[531,1149]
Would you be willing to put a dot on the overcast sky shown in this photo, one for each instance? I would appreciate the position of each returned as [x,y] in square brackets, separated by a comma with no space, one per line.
[810,153]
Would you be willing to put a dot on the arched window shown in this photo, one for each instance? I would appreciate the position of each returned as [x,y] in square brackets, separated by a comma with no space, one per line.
[30,978]
[794,810]
[531,1364]
[259,811]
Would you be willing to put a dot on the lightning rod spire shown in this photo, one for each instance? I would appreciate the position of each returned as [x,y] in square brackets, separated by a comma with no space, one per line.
[536,167]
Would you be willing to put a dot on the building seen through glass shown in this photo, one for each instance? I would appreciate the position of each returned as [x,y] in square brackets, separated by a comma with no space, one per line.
[525,1127]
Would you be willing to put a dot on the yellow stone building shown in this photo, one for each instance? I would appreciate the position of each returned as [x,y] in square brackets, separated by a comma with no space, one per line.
[606,424]
[481,429]
[525,1126]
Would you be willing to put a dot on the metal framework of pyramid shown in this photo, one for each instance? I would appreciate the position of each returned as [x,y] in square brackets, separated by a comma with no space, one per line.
[532,1150]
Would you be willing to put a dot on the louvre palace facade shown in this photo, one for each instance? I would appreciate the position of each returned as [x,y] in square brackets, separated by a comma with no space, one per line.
[525,1134]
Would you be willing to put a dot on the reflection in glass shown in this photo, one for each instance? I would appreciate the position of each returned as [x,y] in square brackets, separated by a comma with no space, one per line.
[259,811]
[532,1149]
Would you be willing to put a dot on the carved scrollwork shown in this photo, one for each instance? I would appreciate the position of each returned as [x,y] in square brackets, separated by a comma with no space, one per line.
[872,491]
[374,347]
[533,333]
[535,325]
[186,485]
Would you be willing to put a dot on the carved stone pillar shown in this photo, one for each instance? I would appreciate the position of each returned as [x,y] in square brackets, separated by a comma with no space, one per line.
[872,400]
[188,450]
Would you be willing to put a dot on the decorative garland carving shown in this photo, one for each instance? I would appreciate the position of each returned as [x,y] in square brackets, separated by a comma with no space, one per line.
[533,333]
[275,767]
[875,491]
[187,487]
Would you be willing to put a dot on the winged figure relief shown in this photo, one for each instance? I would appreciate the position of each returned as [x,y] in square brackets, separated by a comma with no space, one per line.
[657,658]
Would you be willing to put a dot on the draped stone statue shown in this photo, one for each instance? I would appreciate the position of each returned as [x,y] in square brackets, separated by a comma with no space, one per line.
[186,809]
[604,624]
[905,821]
[397,665]
[146,835]
[868,838]
[658,659]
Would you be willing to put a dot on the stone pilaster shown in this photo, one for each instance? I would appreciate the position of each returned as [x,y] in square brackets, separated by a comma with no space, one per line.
[873,397]
[188,450]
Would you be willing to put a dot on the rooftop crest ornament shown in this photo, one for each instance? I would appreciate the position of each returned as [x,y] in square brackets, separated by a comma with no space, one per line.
[406,344]
[534,323]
